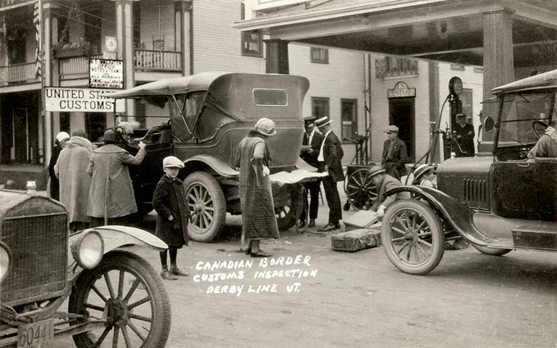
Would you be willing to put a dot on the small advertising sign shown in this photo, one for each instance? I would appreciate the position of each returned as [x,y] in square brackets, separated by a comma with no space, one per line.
[60,99]
[106,73]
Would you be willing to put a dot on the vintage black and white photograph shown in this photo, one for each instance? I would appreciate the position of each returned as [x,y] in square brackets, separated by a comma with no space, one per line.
[278,173]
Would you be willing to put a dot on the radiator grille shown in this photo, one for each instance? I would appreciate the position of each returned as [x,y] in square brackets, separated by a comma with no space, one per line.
[39,246]
[475,191]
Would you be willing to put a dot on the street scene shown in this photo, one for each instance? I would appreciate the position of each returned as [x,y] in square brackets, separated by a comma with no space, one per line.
[278,173]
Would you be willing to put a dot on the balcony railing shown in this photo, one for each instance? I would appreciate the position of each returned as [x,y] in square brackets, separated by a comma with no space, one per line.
[78,67]
[158,60]
[18,74]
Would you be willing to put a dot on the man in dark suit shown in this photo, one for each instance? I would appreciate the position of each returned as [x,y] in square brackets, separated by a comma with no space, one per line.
[311,144]
[331,153]
[464,136]
[395,154]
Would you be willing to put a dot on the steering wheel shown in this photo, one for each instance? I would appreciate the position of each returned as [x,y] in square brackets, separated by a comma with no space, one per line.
[543,124]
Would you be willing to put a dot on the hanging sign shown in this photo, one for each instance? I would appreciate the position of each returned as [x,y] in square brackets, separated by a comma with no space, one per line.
[401,90]
[106,73]
[60,99]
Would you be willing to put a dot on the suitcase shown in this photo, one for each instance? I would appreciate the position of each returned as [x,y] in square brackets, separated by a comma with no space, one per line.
[354,240]
[362,219]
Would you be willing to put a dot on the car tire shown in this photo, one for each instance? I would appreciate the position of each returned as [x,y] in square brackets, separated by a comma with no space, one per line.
[207,205]
[286,214]
[135,305]
[412,236]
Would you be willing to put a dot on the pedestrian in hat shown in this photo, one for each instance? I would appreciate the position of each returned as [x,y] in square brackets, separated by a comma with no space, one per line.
[464,135]
[331,153]
[53,184]
[424,176]
[395,154]
[173,215]
[384,183]
[111,197]
[311,144]
[71,169]
[256,197]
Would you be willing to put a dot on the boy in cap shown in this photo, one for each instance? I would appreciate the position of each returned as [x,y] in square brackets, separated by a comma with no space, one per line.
[311,143]
[173,215]
[395,154]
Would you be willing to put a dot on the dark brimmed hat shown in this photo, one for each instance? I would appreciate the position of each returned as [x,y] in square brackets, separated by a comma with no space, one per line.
[375,170]
[391,129]
[323,121]
[460,115]
[109,135]
[266,127]
[421,170]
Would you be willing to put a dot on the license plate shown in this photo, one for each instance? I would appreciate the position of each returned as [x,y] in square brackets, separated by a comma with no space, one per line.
[36,335]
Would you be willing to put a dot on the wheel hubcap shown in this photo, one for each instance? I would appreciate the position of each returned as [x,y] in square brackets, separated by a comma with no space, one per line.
[117,312]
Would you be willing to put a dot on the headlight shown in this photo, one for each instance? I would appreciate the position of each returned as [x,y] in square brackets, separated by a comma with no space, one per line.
[5,261]
[88,250]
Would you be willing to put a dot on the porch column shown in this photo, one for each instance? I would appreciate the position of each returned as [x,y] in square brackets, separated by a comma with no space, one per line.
[124,35]
[498,58]
[182,30]
[277,56]
[50,72]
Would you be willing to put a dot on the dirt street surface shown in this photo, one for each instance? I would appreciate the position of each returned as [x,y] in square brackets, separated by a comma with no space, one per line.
[312,296]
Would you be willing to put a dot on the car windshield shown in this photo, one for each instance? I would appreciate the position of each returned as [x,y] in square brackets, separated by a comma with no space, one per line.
[522,112]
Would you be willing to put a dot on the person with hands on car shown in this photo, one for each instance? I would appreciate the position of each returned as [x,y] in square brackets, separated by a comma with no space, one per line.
[546,145]
[173,216]
[384,183]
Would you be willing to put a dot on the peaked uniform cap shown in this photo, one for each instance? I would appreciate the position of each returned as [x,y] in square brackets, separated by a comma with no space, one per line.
[172,161]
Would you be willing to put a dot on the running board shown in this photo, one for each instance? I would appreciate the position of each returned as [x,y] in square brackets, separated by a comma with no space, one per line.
[535,237]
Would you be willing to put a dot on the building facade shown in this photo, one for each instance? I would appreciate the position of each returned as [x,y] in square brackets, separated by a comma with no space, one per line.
[362,92]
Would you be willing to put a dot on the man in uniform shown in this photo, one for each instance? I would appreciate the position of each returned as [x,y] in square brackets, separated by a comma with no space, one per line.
[311,144]
[464,136]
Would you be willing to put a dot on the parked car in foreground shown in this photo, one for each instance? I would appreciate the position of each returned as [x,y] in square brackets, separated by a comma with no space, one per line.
[498,201]
[114,297]
[209,114]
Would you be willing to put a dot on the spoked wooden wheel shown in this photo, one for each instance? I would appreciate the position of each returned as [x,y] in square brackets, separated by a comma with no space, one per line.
[412,237]
[360,189]
[125,293]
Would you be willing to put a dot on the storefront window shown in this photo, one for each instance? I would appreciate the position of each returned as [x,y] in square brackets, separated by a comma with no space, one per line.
[349,118]
[319,107]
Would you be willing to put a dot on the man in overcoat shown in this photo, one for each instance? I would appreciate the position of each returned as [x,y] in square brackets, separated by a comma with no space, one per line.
[111,197]
[311,144]
[331,153]
[395,154]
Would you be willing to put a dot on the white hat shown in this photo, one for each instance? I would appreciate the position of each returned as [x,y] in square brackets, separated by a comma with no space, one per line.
[172,161]
[323,121]
[127,127]
[266,127]
[62,136]
[421,170]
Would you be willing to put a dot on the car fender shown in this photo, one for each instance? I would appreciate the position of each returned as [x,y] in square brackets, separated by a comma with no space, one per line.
[118,236]
[220,167]
[458,215]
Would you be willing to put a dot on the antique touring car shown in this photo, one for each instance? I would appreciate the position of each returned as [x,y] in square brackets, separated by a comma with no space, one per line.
[114,297]
[210,113]
[499,201]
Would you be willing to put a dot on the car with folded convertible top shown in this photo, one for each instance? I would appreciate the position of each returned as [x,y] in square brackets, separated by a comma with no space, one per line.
[499,200]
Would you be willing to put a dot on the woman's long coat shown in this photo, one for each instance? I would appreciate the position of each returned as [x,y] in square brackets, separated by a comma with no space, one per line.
[111,182]
[169,199]
[256,197]
[71,170]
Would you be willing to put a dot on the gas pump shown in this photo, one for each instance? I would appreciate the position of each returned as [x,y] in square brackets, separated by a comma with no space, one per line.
[455,107]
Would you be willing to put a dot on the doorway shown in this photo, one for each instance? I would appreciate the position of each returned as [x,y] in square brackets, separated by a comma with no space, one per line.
[402,115]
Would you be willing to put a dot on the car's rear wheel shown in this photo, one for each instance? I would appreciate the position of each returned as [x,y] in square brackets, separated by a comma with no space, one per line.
[127,294]
[207,206]
[491,251]
[413,237]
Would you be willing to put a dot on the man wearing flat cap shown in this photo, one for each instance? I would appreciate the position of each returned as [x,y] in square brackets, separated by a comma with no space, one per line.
[384,183]
[464,136]
[331,153]
[395,154]
[311,144]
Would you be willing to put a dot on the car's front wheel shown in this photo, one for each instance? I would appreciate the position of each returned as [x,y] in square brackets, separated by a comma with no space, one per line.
[412,236]
[126,294]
